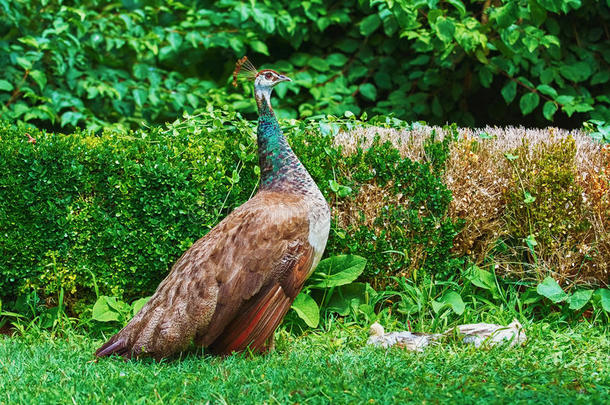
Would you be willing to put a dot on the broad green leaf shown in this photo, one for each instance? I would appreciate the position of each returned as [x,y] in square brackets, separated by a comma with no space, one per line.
[437,306]
[510,156]
[192,99]
[579,299]
[137,305]
[531,43]
[140,96]
[369,91]
[551,290]
[338,270]
[24,63]
[118,305]
[602,76]
[604,295]
[369,24]
[445,29]
[307,309]
[349,296]
[102,311]
[40,78]
[509,91]
[485,76]
[458,5]
[506,14]
[259,47]
[455,301]
[336,59]
[529,102]
[548,90]
[318,64]
[175,40]
[71,117]
[576,72]
[5,85]
[481,278]
[549,109]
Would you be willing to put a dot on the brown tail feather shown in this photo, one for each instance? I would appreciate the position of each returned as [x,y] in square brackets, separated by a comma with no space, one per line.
[154,331]
[254,326]
[113,346]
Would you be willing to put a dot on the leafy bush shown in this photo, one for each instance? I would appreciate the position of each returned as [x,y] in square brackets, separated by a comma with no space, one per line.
[99,63]
[545,210]
[116,209]
[394,211]
[112,212]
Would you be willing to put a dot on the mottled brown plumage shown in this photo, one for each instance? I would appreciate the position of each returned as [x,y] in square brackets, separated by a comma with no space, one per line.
[232,288]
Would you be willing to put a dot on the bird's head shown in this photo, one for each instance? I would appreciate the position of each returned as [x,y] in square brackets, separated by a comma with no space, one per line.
[264,81]
[267,79]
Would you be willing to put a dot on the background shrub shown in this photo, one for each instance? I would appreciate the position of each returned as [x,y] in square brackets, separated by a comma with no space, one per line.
[101,63]
[116,210]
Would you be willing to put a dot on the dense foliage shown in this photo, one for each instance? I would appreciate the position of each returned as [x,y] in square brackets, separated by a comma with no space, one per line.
[99,63]
[110,214]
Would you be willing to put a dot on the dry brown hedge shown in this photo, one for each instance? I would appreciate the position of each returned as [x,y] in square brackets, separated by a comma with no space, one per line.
[510,183]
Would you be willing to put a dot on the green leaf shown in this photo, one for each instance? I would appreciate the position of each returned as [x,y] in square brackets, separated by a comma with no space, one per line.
[349,296]
[506,14]
[551,290]
[338,270]
[509,91]
[318,64]
[481,278]
[102,311]
[530,43]
[445,29]
[40,78]
[5,85]
[602,76]
[370,24]
[24,63]
[485,76]
[71,117]
[548,90]
[369,91]
[455,301]
[336,59]
[510,156]
[438,306]
[528,198]
[259,47]
[579,299]
[529,102]
[137,305]
[549,109]
[307,309]
[604,295]
[140,96]
[458,5]
[576,72]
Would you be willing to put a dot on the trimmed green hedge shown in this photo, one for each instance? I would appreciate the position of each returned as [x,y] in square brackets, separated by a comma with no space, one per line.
[117,209]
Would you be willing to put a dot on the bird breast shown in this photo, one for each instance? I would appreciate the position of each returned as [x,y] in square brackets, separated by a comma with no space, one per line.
[319,227]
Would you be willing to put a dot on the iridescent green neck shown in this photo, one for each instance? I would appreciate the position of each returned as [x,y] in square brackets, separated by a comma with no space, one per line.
[280,168]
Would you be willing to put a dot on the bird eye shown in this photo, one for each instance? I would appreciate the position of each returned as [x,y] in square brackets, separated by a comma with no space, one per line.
[268,76]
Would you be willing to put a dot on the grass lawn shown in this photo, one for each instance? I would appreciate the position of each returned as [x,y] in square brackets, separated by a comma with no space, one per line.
[555,366]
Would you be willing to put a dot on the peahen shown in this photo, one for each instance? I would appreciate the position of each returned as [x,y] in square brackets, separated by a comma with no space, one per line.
[231,289]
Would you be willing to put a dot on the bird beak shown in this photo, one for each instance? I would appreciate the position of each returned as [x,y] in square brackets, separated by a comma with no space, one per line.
[284,79]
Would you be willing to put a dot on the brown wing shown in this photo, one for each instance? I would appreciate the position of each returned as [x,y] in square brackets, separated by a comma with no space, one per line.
[250,266]
[259,316]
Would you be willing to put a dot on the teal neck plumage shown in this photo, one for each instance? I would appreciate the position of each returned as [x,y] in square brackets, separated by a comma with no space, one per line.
[281,170]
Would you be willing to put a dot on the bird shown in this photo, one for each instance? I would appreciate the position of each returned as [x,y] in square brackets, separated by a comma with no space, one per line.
[231,289]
